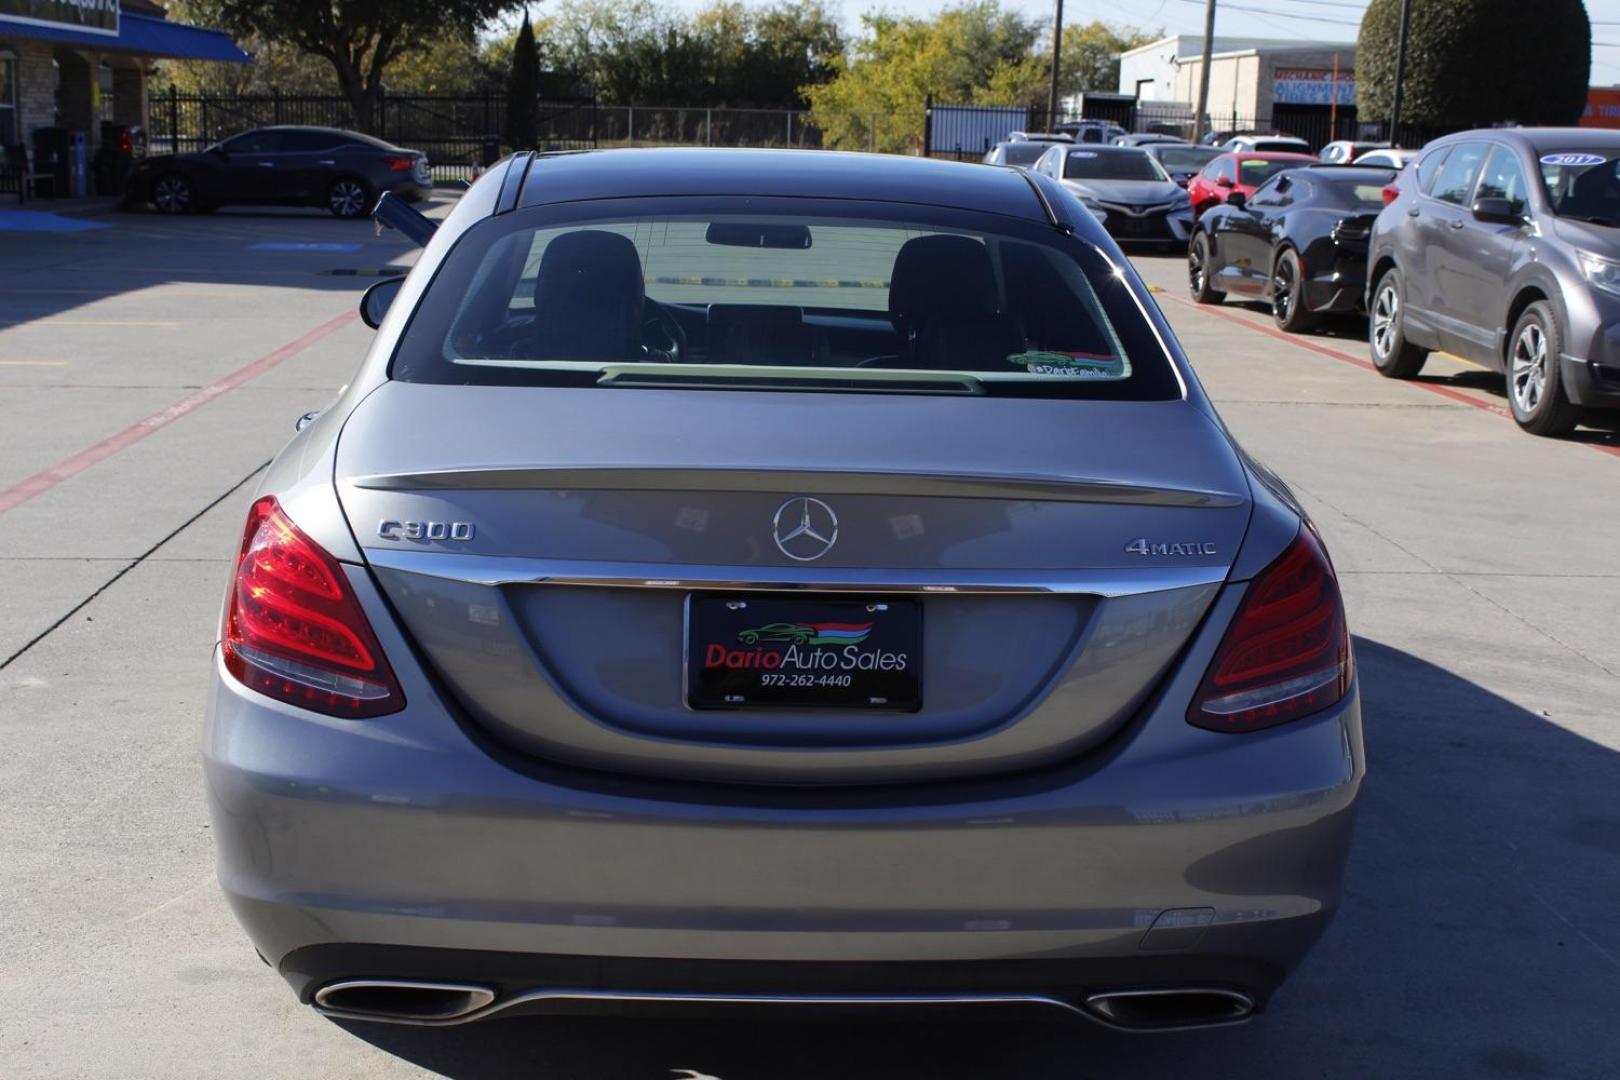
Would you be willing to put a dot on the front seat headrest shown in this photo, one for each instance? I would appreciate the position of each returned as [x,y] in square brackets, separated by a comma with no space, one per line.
[588,296]
[940,275]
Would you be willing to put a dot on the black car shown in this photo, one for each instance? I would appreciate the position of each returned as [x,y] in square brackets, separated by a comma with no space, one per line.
[343,171]
[1299,242]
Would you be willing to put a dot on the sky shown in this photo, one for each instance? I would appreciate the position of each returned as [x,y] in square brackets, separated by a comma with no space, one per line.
[1313,20]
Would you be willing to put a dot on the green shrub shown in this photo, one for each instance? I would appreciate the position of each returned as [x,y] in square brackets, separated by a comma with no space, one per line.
[1473,63]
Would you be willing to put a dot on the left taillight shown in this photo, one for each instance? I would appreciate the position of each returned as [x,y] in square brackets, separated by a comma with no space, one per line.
[294,629]
[1286,653]
[401,164]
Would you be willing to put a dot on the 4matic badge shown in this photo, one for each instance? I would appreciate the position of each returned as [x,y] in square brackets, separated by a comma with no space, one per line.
[1185,548]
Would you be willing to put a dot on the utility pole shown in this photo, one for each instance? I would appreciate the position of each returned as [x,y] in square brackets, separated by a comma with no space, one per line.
[1203,71]
[1400,75]
[1057,64]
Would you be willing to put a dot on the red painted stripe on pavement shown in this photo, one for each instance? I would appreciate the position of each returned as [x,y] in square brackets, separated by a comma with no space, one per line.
[41,482]
[1347,358]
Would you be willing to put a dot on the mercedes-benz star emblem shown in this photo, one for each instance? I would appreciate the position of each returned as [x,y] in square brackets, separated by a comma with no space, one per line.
[805,528]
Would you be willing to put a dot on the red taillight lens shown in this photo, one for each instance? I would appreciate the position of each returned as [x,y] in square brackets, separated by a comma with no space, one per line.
[1391,193]
[294,629]
[1287,652]
[400,164]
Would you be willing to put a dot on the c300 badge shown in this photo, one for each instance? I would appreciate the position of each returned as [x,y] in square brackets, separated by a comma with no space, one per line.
[1185,548]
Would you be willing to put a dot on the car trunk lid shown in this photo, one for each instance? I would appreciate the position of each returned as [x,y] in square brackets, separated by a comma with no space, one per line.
[543,547]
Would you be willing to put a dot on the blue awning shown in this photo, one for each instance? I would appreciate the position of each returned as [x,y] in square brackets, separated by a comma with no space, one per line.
[137,34]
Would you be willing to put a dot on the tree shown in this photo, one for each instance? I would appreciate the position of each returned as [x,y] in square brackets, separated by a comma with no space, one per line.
[1090,62]
[876,98]
[1472,63]
[359,38]
[522,89]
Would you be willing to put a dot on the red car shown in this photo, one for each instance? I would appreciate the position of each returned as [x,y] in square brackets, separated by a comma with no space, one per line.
[1238,171]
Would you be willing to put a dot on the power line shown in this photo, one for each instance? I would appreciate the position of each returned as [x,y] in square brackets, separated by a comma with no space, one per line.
[1280,14]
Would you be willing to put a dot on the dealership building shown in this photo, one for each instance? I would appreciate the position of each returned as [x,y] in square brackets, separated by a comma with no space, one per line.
[77,65]
[1254,81]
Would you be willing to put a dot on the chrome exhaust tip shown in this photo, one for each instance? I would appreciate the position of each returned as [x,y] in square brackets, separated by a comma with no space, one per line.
[1170,1009]
[402,1001]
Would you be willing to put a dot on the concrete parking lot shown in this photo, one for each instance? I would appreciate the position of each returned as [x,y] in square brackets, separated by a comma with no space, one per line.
[151,366]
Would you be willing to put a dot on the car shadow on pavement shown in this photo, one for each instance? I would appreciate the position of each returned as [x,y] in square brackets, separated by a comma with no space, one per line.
[1477,939]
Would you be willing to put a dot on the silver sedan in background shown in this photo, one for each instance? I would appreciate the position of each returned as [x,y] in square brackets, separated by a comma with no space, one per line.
[785,579]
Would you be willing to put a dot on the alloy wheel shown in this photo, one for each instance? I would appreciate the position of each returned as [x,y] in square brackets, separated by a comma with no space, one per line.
[172,194]
[1195,269]
[1385,321]
[348,198]
[1529,373]
[1282,290]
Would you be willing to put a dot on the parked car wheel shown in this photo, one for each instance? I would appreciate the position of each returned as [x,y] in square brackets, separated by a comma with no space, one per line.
[1288,308]
[1198,256]
[348,198]
[174,194]
[1392,354]
[1535,388]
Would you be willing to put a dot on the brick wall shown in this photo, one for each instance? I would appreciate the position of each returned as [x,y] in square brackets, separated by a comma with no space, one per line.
[36,86]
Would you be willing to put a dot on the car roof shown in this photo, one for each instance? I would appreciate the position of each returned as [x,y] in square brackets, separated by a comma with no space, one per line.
[316,129]
[677,171]
[1544,138]
[1268,155]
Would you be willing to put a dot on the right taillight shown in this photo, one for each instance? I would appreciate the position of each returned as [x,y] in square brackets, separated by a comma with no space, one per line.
[1392,191]
[294,629]
[1286,653]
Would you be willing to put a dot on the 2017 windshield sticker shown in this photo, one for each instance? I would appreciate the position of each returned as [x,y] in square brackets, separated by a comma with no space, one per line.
[1573,159]
[1077,365]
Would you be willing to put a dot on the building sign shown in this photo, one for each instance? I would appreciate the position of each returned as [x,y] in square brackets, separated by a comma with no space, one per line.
[1602,108]
[92,16]
[1313,86]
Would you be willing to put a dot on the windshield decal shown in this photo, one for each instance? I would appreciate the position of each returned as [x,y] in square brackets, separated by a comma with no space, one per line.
[1573,159]
[1073,364]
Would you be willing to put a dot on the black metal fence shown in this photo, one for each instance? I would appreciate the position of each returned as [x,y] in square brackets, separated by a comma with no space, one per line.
[450,129]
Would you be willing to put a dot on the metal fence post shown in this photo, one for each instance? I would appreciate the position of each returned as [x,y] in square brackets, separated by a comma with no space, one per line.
[174,120]
[790,128]
[928,125]
[275,103]
[871,132]
[630,125]
[708,127]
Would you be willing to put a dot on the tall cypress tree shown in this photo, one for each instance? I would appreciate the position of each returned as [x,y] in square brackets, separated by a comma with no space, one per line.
[522,90]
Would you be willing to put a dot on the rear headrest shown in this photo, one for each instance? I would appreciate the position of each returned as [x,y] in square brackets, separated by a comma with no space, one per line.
[936,275]
[588,297]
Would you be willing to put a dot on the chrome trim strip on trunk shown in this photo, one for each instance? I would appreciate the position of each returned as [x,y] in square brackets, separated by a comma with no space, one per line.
[504,570]
[805,481]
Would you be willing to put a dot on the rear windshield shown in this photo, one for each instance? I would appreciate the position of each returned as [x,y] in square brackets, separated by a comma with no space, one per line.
[729,293]
[1023,153]
[1186,158]
[1111,165]
[1286,146]
[1258,170]
[1583,184]
[1355,192]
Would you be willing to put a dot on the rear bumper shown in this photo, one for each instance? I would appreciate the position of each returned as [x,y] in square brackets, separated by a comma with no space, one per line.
[413,189]
[1176,855]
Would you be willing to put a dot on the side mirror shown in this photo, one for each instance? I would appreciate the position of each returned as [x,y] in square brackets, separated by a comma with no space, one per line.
[1499,211]
[374,303]
[1237,200]
[1225,181]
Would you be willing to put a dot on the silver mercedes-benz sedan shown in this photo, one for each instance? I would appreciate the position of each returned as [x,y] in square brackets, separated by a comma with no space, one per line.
[741,577]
